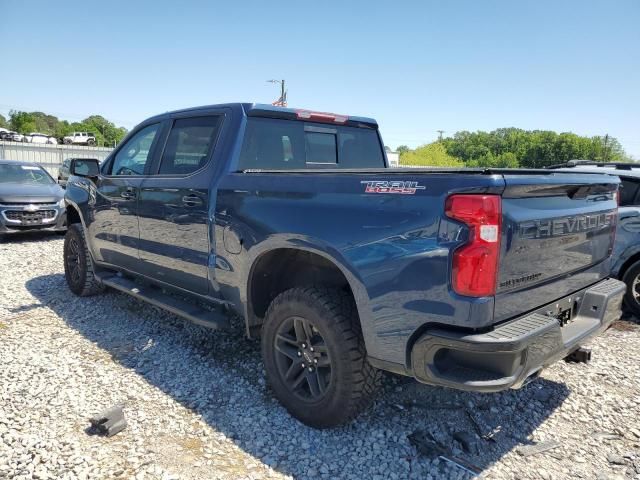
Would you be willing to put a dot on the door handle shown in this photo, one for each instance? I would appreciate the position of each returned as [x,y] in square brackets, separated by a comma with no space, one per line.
[128,194]
[191,200]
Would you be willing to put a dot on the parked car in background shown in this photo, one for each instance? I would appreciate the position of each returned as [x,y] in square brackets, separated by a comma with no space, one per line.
[473,279]
[18,137]
[625,263]
[5,135]
[79,138]
[35,137]
[30,199]
[63,171]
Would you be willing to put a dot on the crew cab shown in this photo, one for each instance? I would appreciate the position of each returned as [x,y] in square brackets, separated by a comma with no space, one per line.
[473,279]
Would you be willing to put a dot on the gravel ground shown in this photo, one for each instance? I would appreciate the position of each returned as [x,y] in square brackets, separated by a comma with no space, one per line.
[197,405]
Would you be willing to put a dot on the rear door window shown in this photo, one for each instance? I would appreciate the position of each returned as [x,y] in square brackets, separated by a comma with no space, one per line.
[274,144]
[189,145]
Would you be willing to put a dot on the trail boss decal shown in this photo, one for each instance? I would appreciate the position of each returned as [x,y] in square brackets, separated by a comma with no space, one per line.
[398,186]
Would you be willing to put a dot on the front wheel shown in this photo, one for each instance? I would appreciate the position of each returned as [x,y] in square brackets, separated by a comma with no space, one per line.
[78,267]
[632,296]
[314,356]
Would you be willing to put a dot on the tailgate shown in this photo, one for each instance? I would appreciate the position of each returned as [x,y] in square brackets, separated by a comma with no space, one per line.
[558,232]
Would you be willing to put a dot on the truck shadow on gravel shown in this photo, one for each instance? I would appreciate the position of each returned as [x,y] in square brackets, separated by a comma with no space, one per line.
[219,376]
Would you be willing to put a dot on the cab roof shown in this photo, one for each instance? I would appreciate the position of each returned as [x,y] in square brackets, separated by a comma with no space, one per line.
[264,110]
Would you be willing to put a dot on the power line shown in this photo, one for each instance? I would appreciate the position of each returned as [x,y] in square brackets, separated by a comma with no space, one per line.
[440,132]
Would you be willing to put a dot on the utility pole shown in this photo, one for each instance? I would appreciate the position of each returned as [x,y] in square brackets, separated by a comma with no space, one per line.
[282,101]
[440,132]
[606,152]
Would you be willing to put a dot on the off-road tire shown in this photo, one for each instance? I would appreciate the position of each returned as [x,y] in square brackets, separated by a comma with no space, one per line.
[91,142]
[630,277]
[81,281]
[352,380]
[67,141]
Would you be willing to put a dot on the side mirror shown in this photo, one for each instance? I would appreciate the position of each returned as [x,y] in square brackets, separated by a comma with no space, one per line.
[84,167]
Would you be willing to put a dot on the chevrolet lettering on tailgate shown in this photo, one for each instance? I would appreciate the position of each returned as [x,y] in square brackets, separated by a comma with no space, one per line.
[567,225]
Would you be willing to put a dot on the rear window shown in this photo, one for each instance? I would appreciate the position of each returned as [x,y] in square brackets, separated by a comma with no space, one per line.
[273,144]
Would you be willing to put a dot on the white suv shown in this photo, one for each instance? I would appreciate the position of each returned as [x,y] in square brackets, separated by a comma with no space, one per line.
[79,138]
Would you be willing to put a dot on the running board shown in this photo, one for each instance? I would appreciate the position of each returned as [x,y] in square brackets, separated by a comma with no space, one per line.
[155,296]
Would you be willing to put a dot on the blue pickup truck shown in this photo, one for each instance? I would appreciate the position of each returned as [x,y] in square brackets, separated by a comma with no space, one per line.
[290,219]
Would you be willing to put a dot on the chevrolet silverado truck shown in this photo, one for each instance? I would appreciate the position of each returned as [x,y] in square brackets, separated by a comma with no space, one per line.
[290,220]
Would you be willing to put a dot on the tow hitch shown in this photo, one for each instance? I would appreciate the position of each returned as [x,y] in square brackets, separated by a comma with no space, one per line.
[581,355]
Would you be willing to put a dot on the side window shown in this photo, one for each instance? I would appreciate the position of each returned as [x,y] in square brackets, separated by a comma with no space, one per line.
[189,145]
[134,155]
[628,192]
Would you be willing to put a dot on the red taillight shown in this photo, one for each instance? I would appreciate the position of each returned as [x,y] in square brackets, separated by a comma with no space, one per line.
[475,264]
[321,117]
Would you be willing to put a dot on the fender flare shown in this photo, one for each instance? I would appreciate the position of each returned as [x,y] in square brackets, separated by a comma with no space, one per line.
[318,247]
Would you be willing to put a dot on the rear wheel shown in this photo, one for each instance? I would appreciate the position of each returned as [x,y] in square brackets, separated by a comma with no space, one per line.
[632,297]
[91,142]
[315,358]
[78,267]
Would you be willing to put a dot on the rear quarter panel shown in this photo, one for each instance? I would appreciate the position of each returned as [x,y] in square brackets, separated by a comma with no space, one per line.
[393,248]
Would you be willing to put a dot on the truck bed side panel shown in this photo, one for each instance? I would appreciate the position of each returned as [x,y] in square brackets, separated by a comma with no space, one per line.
[394,248]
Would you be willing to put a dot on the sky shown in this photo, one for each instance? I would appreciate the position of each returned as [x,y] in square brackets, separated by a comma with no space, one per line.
[415,66]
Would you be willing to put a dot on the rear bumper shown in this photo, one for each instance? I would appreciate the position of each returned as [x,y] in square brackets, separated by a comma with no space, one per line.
[511,353]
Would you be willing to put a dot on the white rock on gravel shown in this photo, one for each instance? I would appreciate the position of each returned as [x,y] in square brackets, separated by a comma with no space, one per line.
[198,407]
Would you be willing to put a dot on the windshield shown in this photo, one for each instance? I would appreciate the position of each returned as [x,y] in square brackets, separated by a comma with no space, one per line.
[27,174]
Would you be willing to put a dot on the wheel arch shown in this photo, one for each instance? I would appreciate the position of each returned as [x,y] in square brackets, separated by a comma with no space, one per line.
[287,266]
[73,214]
[620,271]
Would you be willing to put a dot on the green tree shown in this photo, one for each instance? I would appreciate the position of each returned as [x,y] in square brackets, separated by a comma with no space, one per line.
[536,148]
[44,123]
[106,132]
[3,122]
[502,160]
[402,149]
[432,155]
[21,122]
